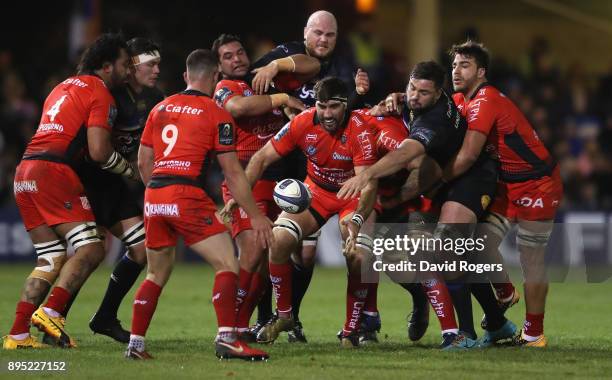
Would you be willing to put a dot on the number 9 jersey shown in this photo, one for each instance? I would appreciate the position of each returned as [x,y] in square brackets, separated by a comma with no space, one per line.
[182,130]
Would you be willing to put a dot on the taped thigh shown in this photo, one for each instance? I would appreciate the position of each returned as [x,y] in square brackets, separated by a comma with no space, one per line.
[290,226]
[50,257]
[83,234]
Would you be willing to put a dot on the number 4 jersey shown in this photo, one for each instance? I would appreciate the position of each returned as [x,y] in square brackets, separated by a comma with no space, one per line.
[183,130]
[75,104]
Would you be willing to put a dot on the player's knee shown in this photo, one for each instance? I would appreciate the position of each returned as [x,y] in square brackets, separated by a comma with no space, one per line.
[309,249]
[495,224]
[453,231]
[134,236]
[532,240]
[287,235]
[83,235]
[138,254]
[50,257]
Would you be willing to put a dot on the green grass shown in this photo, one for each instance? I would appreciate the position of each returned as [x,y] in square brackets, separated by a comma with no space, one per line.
[578,325]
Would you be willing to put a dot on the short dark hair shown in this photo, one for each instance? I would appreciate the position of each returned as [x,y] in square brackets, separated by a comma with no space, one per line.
[331,88]
[429,70]
[105,48]
[141,45]
[224,39]
[201,61]
[474,50]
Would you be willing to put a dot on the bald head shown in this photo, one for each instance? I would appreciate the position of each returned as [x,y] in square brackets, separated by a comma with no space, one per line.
[320,34]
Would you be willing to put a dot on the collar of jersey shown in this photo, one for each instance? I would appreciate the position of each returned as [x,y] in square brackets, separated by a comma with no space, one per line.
[482,85]
[195,93]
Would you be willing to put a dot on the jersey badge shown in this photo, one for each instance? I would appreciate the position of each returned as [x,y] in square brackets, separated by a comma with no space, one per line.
[226,134]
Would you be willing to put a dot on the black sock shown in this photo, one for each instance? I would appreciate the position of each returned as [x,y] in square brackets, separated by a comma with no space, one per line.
[416,291]
[485,297]
[124,276]
[462,301]
[264,307]
[299,285]
[70,302]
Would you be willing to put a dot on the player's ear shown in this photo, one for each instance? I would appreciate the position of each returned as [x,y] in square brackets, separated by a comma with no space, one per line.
[107,67]
[481,72]
[185,77]
[305,32]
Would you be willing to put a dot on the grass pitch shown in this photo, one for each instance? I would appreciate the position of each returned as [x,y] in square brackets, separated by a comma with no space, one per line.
[578,326]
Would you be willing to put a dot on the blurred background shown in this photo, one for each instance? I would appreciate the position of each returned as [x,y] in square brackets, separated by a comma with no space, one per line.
[552,57]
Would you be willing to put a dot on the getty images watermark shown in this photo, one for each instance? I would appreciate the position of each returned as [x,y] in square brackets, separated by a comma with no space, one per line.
[418,252]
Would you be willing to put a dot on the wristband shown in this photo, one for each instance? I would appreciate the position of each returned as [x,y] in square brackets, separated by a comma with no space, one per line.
[119,165]
[358,219]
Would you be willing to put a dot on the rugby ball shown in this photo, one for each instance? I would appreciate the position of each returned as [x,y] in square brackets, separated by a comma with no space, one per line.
[292,196]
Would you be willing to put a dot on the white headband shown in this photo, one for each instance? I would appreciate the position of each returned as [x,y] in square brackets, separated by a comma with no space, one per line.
[145,57]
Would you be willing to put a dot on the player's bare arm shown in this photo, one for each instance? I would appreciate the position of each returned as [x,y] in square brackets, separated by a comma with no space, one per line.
[241,192]
[297,63]
[259,162]
[102,152]
[473,143]
[389,164]
[245,106]
[145,162]
[367,199]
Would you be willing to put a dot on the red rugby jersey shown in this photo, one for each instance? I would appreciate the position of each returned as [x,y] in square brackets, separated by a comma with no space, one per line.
[331,157]
[183,129]
[391,133]
[77,103]
[252,132]
[510,138]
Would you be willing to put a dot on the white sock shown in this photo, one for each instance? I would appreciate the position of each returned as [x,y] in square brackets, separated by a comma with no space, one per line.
[530,338]
[20,336]
[137,343]
[454,331]
[50,312]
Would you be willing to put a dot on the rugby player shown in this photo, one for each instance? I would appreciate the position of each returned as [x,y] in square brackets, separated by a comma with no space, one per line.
[320,37]
[77,116]
[180,134]
[338,143]
[115,203]
[529,189]
[258,118]
[436,129]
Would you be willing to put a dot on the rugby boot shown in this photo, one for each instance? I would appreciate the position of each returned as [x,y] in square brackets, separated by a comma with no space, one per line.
[273,328]
[296,334]
[110,327]
[54,326]
[516,296]
[507,331]
[456,342]
[238,350]
[10,343]
[520,341]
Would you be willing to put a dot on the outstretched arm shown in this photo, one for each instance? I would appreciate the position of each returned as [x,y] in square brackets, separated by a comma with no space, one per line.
[392,162]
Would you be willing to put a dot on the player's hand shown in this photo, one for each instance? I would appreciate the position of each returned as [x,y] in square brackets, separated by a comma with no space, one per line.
[227,210]
[362,82]
[263,77]
[263,230]
[394,102]
[295,104]
[352,187]
[378,110]
[350,244]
